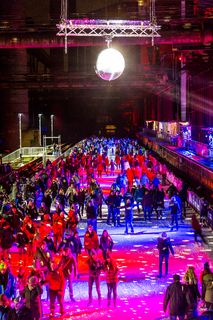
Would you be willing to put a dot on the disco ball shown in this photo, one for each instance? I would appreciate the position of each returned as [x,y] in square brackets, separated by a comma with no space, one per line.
[110,64]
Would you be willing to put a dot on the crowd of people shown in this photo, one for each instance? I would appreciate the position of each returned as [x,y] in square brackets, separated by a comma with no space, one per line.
[41,215]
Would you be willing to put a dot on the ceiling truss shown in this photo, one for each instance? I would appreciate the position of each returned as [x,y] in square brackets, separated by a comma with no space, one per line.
[107,29]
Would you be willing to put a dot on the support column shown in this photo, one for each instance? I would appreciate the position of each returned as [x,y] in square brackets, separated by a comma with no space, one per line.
[183,86]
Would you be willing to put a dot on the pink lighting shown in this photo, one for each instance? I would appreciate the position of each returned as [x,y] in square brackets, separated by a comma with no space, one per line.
[52,41]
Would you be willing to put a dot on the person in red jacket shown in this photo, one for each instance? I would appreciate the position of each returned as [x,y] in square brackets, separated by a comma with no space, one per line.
[197,229]
[100,169]
[117,161]
[58,228]
[95,267]
[111,270]
[68,266]
[56,281]
[91,241]
[29,229]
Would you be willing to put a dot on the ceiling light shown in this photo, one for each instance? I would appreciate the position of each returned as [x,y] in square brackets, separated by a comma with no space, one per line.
[110,64]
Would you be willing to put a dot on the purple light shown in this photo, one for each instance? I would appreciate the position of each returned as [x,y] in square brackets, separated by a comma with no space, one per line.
[107,22]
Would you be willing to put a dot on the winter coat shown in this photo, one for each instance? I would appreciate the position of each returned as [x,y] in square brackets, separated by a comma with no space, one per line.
[91,212]
[91,240]
[95,267]
[111,270]
[110,201]
[68,265]
[106,243]
[56,280]
[147,199]
[33,300]
[192,294]
[21,239]
[175,297]
[6,237]
[164,246]
[208,283]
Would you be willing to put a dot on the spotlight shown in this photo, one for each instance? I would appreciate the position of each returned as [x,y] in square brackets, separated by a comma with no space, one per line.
[110,64]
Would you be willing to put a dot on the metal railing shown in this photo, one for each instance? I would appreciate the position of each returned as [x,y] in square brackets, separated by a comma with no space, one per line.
[23,152]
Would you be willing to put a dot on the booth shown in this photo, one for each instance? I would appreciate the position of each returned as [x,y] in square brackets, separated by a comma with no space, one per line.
[207,138]
[152,125]
[184,134]
[168,131]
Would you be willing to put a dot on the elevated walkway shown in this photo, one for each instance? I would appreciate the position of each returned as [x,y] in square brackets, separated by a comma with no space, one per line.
[196,168]
[25,155]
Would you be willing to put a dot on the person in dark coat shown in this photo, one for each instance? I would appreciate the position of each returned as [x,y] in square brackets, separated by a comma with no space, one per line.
[68,266]
[110,201]
[158,201]
[21,241]
[175,297]
[117,203]
[174,214]
[128,215]
[147,203]
[77,249]
[31,210]
[43,255]
[67,242]
[47,199]
[81,200]
[197,229]
[204,213]
[91,212]
[6,238]
[183,194]
[50,243]
[106,243]
[32,295]
[165,247]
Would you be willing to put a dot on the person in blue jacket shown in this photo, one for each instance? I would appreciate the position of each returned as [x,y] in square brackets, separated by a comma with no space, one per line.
[7,280]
